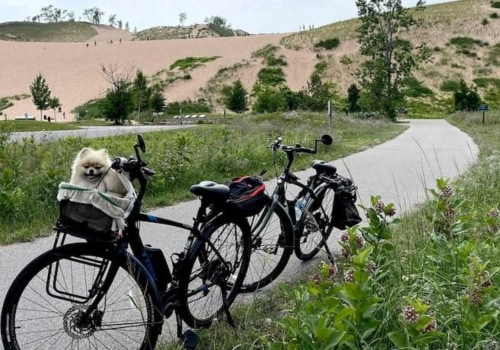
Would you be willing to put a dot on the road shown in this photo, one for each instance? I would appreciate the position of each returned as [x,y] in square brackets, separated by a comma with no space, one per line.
[400,171]
[93,131]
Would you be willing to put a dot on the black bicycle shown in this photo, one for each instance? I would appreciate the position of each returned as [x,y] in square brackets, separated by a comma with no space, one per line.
[302,224]
[111,292]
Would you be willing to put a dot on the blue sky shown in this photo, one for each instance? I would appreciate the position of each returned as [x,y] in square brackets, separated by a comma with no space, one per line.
[254,16]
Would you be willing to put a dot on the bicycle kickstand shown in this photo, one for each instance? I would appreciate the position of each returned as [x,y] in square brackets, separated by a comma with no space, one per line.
[226,308]
[189,338]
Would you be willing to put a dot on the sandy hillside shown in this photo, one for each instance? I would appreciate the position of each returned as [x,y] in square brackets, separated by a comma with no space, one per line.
[74,75]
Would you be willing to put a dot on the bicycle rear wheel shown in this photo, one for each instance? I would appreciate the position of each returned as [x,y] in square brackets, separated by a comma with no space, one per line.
[44,307]
[315,224]
[212,274]
[272,246]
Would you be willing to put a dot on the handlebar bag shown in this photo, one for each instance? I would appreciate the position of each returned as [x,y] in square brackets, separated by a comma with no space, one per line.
[89,213]
[247,195]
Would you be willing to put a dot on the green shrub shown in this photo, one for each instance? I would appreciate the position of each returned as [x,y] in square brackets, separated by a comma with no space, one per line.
[465,42]
[449,85]
[415,88]
[271,76]
[484,21]
[187,107]
[320,67]
[495,4]
[191,62]
[328,43]
[266,51]
[273,61]
[494,15]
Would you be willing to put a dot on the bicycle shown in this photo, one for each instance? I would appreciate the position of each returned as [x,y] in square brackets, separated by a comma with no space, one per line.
[283,228]
[97,294]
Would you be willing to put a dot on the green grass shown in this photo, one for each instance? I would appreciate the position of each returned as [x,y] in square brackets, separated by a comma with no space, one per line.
[189,63]
[47,32]
[180,158]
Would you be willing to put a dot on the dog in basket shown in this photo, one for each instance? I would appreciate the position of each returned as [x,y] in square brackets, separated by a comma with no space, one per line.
[92,169]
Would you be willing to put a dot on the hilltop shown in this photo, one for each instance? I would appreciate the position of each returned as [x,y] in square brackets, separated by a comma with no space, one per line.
[462,35]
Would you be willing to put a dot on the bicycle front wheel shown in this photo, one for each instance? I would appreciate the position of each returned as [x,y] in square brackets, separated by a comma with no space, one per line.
[315,224]
[45,306]
[213,273]
[272,246]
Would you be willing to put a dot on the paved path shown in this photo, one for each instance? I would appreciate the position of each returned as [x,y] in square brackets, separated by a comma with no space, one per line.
[399,170]
[93,131]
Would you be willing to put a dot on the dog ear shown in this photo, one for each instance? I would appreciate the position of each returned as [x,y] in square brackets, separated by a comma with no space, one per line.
[83,151]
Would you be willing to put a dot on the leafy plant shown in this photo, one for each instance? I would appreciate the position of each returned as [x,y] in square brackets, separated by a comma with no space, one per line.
[328,44]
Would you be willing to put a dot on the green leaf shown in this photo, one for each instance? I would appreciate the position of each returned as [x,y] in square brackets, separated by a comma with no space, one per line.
[399,339]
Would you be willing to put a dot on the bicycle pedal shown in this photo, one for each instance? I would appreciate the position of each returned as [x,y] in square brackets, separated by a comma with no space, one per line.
[190,339]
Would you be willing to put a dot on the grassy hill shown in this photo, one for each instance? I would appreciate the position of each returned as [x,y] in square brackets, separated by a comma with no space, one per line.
[462,35]
[47,32]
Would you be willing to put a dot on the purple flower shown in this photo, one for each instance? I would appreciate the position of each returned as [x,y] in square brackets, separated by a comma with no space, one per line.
[333,271]
[410,315]
[432,326]
[360,241]
[447,191]
[379,207]
[344,237]
[349,275]
[370,266]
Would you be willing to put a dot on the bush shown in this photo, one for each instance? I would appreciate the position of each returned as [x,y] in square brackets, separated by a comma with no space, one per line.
[466,98]
[465,42]
[187,107]
[495,4]
[328,43]
[271,76]
[415,88]
[494,15]
[269,101]
[275,61]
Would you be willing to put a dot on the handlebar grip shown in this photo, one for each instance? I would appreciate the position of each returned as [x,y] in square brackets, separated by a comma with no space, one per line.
[118,163]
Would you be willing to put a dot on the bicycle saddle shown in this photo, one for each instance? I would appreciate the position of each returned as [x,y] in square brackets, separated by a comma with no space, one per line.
[210,189]
[323,167]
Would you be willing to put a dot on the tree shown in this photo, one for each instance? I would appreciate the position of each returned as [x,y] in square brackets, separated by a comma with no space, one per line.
[466,98]
[235,97]
[157,101]
[40,94]
[141,91]
[119,102]
[112,20]
[94,15]
[390,58]
[353,98]
[182,18]
[54,103]
[218,21]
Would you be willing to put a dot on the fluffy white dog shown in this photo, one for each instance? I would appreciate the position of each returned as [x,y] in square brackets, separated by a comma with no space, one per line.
[92,169]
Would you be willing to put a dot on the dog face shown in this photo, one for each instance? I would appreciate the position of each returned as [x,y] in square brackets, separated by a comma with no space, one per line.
[90,165]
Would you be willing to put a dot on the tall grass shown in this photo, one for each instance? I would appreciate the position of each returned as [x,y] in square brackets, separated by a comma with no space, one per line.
[31,171]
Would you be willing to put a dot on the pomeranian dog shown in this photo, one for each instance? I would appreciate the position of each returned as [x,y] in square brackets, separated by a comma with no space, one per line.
[92,169]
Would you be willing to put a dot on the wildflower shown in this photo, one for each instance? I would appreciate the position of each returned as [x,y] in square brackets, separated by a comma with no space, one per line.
[360,241]
[486,281]
[344,237]
[370,266]
[432,326]
[447,191]
[345,253]
[494,213]
[475,297]
[410,315]
[391,212]
[379,207]
[315,278]
[349,275]
[491,344]
[449,214]
[333,271]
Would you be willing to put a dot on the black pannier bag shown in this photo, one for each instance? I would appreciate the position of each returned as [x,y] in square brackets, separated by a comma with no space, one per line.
[247,195]
[345,213]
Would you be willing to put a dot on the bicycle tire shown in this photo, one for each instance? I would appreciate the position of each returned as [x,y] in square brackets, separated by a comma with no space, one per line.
[271,248]
[43,305]
[315,223]
[203,280]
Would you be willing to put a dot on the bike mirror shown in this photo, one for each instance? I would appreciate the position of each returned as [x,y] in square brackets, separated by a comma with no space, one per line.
[326,139]
[141,143]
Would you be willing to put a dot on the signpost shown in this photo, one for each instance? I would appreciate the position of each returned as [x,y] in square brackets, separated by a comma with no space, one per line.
[483,107]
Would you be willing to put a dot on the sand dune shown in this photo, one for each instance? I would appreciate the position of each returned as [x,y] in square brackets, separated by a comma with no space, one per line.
[74,75]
